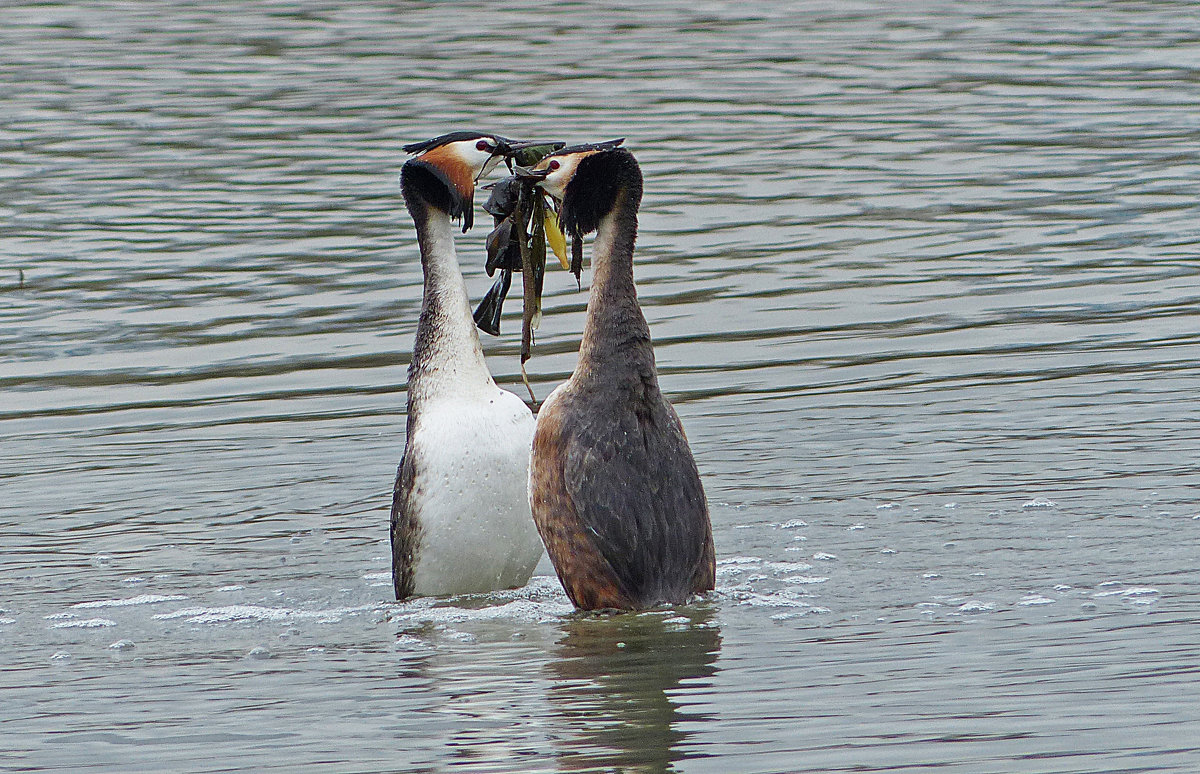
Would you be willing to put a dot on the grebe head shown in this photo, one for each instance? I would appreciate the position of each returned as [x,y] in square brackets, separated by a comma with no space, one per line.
[446,168]
[585,180]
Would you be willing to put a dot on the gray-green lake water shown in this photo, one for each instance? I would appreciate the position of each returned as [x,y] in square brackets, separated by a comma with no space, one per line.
[924,280]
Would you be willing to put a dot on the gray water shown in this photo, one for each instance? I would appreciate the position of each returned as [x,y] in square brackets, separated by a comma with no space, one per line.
[923,280]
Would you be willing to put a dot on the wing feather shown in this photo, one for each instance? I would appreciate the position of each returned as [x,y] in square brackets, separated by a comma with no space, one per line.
[629,481]
[405,527]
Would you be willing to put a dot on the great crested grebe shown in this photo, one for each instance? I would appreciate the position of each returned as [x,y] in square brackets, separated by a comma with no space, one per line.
[613,485]
[460,518]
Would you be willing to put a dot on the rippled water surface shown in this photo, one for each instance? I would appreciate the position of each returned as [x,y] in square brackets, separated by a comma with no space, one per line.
[924,283]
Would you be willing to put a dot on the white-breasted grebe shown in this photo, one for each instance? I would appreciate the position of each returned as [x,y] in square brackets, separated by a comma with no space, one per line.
[460,519]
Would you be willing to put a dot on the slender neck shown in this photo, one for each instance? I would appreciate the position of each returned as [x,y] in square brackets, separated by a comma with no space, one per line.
[616,339]
[447,349]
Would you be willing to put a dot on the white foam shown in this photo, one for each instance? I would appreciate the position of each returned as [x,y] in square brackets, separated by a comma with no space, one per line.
[6,621]
[787,566]
[736,565]
[1039,502]
[1035,599]
[973,606]
[823,557]
[410,642]
[143,599]
[793,524]
[59,616]
[804,579]
[539,601]
[771,600]
[519,610]
[230,613]
[85,623]
[1138,591]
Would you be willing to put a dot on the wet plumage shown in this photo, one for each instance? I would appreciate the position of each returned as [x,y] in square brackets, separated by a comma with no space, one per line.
[460,518]
[614,488]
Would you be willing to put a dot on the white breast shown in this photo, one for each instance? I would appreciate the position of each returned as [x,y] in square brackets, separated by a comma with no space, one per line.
[471,459]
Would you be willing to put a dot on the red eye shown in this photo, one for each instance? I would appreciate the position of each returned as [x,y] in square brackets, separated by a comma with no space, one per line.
[554,164]
[483,145]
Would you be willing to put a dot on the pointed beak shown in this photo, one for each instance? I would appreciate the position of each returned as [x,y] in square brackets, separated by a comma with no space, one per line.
[504,147]
[496,157]
[529,152]
[525,173]
[520,145]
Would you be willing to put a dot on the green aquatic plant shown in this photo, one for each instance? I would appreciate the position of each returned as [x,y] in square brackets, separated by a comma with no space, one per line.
[523,225]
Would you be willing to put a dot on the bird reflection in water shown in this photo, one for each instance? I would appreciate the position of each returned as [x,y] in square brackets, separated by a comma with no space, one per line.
[613,680]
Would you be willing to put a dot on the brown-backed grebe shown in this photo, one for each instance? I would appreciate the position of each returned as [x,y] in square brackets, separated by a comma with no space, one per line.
[614,488]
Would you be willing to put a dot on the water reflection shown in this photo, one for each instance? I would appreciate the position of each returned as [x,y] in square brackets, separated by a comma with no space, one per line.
[612,683]
[915,273]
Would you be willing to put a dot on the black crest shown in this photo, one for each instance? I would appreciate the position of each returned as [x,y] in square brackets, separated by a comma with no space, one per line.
[425,185]
[587,146]
[421,147]
[593,190]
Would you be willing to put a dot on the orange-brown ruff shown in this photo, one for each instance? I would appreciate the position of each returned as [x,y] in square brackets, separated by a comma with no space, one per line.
[446,159]
[614,489]
[460,520]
